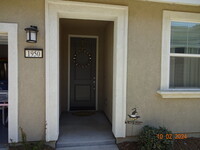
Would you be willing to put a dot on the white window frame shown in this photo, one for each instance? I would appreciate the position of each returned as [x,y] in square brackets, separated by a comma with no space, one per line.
[183,2]
[165,91]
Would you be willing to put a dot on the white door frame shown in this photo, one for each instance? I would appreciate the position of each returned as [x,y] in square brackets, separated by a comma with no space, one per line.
[10,29]
[97,70]
[55,9]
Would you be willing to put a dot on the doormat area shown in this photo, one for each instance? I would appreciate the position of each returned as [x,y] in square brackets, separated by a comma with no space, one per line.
[83,113]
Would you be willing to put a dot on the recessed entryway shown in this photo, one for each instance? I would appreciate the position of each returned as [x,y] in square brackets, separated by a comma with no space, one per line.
[86,65]
[86,82]
[85,11]
[85,131]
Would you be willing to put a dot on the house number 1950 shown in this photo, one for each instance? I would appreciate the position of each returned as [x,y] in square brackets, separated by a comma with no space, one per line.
[33,53]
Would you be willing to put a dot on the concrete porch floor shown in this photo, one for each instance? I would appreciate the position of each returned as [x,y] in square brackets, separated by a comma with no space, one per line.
[85,132]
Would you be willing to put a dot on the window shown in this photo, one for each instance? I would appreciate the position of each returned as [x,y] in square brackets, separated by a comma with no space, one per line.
[184,55]
[180,69]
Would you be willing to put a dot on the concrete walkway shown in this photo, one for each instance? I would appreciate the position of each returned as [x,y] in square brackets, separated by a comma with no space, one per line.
[92,132]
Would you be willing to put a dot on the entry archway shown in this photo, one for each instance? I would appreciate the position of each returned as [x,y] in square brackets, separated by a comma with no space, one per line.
[90,11]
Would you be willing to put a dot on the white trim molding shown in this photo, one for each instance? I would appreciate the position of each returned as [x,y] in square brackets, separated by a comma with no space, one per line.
[165,91]
[183,2]
[11,30]
[55,9]
[179,94]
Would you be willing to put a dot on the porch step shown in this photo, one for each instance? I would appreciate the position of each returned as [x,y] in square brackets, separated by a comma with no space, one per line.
[97,147]
[61,144]
[93,132]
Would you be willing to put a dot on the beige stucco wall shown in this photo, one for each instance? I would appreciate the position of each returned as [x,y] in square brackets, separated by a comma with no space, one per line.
[144,72]
[108,71]
[144,68]
[31,71]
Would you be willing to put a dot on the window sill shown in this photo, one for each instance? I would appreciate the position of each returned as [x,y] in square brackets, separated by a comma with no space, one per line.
[179,93]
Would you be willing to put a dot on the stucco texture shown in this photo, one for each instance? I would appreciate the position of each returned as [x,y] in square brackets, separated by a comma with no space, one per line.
[31,71]
[144,68]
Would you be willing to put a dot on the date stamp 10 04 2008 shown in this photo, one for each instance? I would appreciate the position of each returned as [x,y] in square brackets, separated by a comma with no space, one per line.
[171,136]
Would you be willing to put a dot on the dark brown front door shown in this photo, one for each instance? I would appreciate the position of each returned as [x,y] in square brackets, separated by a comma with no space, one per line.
[82,73]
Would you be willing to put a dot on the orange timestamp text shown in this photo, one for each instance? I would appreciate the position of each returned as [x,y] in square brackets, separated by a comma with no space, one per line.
[171,136]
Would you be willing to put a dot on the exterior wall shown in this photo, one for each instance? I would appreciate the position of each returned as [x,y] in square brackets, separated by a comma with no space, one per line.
[31,71]
[144,72]
[144,68]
